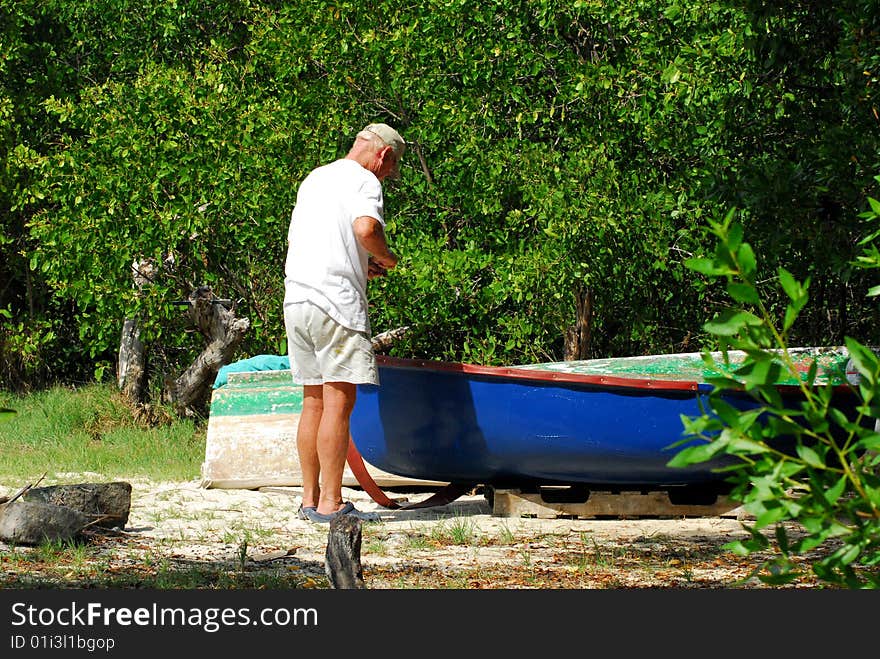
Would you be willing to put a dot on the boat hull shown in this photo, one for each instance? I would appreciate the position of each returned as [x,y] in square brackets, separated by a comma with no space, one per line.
[510,426]
[490,429]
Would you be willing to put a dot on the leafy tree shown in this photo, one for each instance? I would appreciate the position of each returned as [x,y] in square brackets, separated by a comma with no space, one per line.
[557,149]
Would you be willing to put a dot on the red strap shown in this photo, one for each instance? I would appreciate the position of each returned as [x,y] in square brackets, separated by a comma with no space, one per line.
[444,495]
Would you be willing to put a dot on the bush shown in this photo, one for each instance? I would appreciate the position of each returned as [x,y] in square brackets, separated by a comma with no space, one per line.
[826,480]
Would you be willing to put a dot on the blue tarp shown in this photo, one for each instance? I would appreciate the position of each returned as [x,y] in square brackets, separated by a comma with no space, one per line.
[256,363]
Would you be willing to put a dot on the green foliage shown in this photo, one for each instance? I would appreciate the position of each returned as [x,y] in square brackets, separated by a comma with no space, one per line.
[812,458]
[870,256]
[554,147]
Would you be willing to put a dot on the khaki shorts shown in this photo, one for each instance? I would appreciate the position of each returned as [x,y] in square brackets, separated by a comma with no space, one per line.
[321,350]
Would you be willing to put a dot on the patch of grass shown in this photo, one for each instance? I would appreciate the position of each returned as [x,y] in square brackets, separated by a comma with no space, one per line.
[599,556]
[242,554]
[13,558]
[91,429]
[505,535]
[417,542]
[239,534]
[462,531]
[457,582]
[582,558]
[376,546]
[456,531]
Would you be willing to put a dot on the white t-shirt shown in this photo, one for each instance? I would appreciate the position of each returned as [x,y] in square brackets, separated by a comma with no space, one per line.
[326,265]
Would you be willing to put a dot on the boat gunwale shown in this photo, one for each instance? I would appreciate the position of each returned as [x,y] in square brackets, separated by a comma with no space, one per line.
[514,373]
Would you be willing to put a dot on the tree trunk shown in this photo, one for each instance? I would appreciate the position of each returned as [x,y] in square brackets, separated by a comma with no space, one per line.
[191,392]
[131,367]
[578,336]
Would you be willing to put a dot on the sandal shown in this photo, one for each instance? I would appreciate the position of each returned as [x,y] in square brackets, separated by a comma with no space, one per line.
[303,513]
[348,509]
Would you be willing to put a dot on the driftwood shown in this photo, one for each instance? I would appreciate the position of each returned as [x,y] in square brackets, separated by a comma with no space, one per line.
[383,341]
[191,392]
[343,557]
[107,505]
[62,512]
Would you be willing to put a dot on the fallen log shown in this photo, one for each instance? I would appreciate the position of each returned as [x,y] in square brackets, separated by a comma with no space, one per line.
[106,505]
[34,515]
[32,523]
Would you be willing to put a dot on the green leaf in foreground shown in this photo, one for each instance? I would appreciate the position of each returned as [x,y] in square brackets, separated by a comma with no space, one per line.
[808,460]
[731,321]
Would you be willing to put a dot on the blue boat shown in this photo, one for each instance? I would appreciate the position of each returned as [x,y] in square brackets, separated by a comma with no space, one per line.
[602,422]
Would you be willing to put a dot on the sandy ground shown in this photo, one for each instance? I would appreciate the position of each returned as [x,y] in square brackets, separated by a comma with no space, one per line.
[459,545]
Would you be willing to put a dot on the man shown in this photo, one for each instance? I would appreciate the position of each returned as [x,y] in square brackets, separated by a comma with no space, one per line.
[336,242]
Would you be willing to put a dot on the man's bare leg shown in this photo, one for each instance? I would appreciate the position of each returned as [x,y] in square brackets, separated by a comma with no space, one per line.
[307,443]
[332,443]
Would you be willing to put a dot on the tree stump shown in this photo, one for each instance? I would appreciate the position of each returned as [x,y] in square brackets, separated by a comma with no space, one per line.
[343,557]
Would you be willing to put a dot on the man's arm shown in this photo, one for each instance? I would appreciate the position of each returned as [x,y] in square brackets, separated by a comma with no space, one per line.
[369,233]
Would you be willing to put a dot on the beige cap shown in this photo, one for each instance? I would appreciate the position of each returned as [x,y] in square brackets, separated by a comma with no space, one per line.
[390,136]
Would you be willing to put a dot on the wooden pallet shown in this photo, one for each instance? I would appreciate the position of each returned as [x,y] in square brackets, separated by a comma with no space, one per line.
[549,503]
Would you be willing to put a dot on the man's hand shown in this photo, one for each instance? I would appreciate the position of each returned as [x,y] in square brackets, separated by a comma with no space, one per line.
[370,234]
[375,270]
